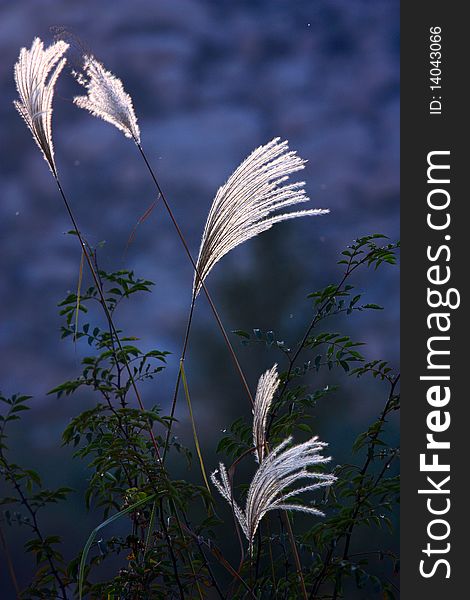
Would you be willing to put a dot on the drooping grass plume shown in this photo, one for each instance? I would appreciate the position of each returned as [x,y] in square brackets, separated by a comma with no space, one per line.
[106,98]
[267,386]
[243,206]
[275,482]
[35,84]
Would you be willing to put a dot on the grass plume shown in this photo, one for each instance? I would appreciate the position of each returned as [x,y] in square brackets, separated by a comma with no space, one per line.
[267,386]
[243,206]
[35,85]
[106,98]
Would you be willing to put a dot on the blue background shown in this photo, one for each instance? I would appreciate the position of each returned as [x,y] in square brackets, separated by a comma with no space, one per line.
[210,81]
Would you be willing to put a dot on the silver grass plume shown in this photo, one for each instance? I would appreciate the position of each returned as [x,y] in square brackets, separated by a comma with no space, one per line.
[267,386]
[243,206]
[35,84]
[275,482]
[106,98]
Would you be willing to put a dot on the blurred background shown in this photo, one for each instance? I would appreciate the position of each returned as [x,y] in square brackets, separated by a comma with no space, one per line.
[210,81]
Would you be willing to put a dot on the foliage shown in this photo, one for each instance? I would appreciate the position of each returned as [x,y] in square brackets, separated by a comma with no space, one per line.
[159,534]
[161,537]
[29,497]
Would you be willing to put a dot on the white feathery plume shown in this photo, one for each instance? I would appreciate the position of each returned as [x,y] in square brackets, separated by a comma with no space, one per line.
[242,207]
[36,90]
[267,386]
[106,98]
[276,482]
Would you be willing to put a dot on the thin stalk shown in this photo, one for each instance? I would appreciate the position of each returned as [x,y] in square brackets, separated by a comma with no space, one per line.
[193,424]
[111,336]
[270,551]
[79,288]
[106,310]
[205,561]
[180,529]
[204,287]
[295,552]
[271,558]
[210,571]
[222,560]
[321,576]
[150,527]
[172,554]
[178,379]
[209,299]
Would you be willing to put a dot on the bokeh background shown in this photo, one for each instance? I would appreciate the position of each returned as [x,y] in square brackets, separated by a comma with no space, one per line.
[210,81]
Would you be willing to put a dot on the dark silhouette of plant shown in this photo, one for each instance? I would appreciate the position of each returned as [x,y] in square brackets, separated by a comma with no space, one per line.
[170,550]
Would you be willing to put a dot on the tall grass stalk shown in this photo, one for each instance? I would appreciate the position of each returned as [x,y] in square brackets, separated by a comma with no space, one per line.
[193,424]
[197,274]
[84,249]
